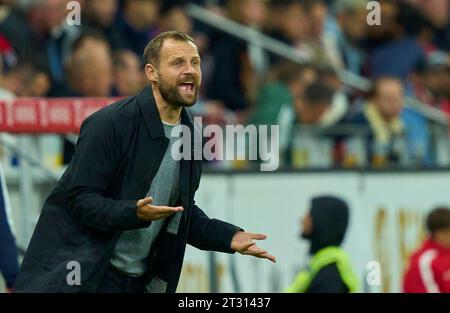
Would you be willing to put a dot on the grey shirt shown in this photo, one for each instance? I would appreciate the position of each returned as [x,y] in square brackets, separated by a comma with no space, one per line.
[134,246]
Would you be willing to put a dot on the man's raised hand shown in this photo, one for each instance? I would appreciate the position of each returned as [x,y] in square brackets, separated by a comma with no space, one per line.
[147,212]
[243,243]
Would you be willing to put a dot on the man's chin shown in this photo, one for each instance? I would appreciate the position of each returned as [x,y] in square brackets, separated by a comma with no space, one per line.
[189,103]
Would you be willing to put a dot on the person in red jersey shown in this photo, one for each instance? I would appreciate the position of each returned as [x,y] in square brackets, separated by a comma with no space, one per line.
[429,268]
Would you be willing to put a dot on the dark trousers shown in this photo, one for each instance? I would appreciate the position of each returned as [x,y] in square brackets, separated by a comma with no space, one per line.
[116,282]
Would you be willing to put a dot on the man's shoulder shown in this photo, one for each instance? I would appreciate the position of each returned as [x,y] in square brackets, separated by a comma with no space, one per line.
[429,254]
[328,279]
[442,259]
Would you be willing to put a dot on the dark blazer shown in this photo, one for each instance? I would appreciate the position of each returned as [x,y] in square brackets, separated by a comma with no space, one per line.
[118,153]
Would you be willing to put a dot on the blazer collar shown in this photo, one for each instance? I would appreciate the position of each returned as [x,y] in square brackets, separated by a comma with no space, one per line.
[149,110]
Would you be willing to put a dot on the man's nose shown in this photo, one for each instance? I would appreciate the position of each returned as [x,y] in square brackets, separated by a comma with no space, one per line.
[189,69]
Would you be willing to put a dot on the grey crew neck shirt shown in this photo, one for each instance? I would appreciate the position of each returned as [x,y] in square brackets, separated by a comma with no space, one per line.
[133,246]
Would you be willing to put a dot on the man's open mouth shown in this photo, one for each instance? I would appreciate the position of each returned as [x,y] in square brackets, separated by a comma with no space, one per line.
[187,86]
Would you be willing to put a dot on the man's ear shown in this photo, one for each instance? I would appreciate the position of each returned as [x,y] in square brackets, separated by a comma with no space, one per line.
[151,73]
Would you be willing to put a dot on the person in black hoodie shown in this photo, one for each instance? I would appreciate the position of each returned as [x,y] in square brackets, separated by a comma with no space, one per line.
[329,270]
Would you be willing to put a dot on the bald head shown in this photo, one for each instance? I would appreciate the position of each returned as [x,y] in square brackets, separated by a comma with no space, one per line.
[90,69]
[388,96]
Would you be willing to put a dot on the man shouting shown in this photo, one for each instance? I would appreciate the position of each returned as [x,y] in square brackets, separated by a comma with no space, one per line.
[124,210]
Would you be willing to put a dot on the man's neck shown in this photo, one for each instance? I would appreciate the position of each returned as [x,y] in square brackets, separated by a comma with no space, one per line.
[169,113]
[441,241]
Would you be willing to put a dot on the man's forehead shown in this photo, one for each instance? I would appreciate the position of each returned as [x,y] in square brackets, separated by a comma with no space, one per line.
[174,48]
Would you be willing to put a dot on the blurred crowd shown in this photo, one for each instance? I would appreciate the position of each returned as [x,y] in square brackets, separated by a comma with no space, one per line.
[406,56]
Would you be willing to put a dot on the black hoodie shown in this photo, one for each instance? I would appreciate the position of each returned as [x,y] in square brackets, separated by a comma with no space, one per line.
[330,217]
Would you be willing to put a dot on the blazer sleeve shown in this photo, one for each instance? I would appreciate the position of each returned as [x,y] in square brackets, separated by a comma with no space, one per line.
[98,153]
[210,234]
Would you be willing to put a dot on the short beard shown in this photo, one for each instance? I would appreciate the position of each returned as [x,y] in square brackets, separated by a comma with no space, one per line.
[172,95]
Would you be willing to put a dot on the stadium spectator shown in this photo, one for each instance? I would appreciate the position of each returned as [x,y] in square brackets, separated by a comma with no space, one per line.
[394,48]
[101,14]
[35,30]
[381,114]
[26,79]
[431,84]
[429,267]
[128,78]
[329,269]
[89,73]
[315,101]
[289,24]
[90,69]
[308,110]
[289,82]
[318,48]
[438,13]
[136,24]
[340,104]
[234,76]
[175,18]
[348,28]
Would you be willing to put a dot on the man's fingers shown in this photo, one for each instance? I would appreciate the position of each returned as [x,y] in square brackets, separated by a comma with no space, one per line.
[259,253]
[167,209]
[161,216]
[145,201]
[155,212]
[254,250]
[256,253]
[247,245]
[267,256]
[258,236]
[160,212]
[157,209]
[251,247]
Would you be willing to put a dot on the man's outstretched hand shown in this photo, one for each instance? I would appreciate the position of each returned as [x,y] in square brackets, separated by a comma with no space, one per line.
[243,243]
[147,212]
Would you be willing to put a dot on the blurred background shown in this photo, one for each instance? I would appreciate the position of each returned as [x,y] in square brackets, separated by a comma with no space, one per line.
[362,99]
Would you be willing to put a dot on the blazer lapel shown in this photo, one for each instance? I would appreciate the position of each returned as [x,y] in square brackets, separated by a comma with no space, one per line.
[186,167]
[155,130]
[152,141]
